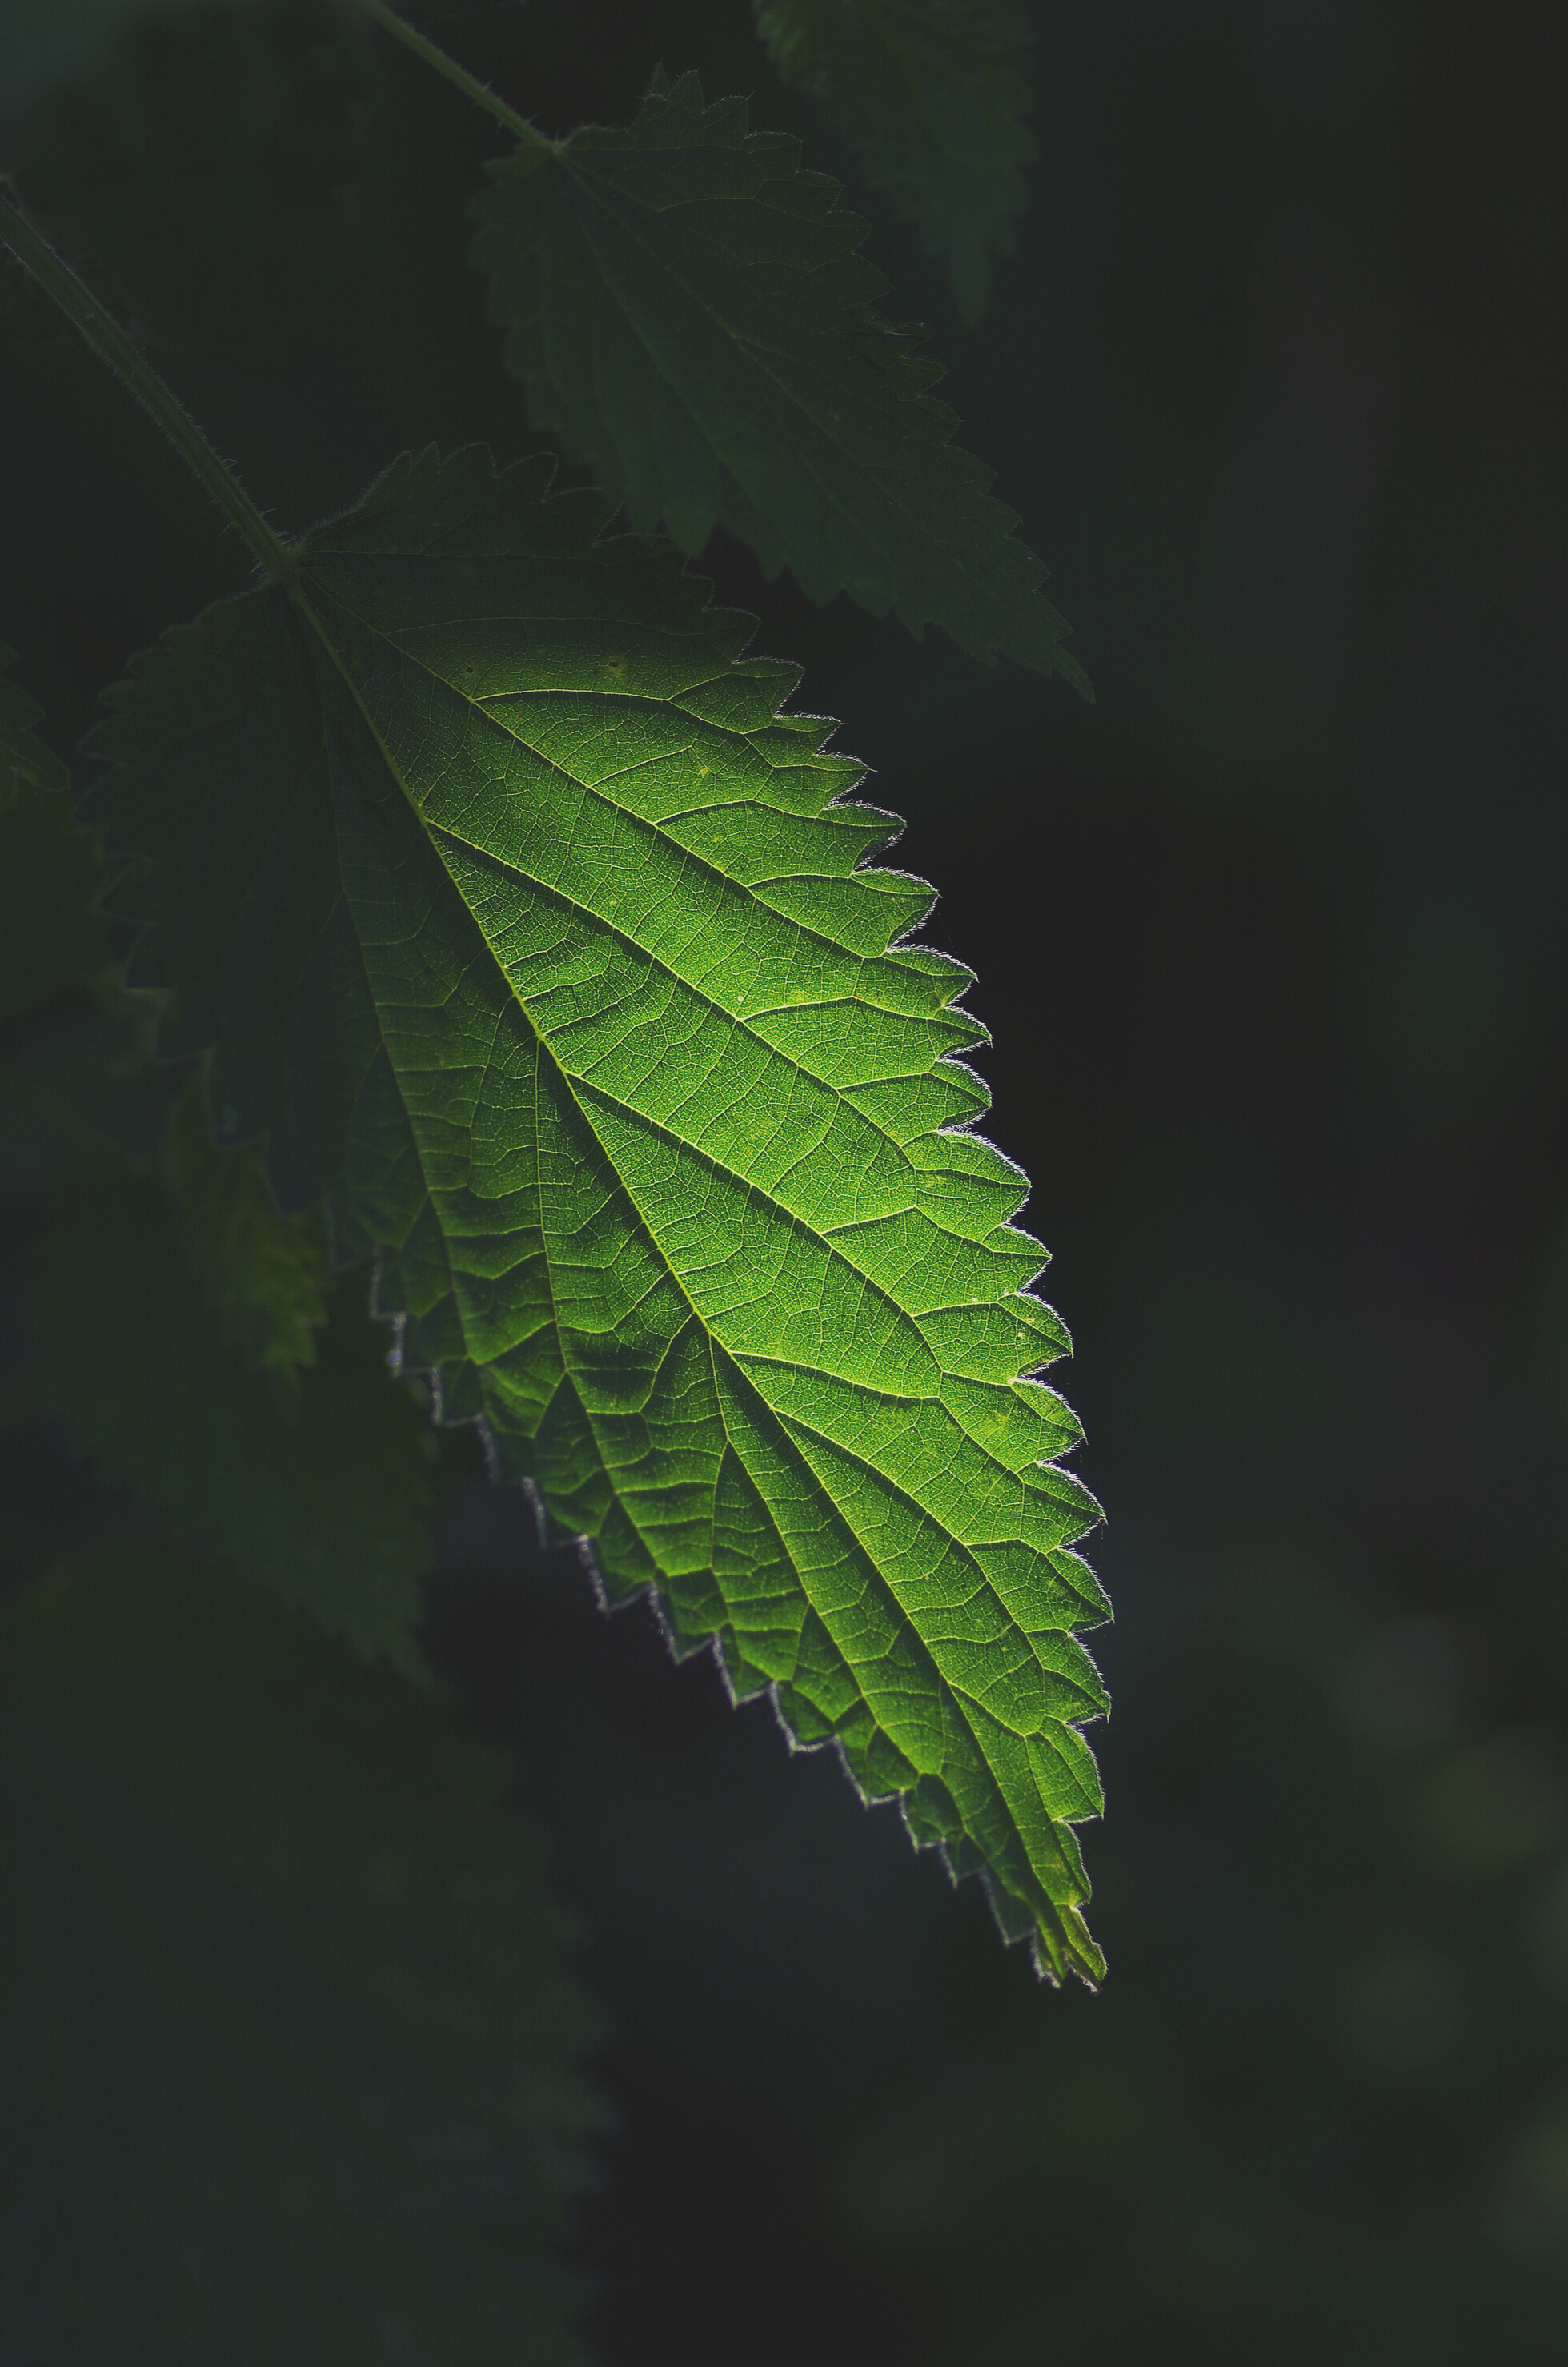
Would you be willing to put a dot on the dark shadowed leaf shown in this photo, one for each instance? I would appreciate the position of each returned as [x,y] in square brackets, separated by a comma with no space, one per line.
[286,2055]
[49,869]
[932,94]
[325,1501]
[260,1273]
[690,313]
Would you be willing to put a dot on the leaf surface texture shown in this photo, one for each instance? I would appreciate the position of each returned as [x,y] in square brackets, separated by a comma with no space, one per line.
[932,94]
[533,933]
[691,314]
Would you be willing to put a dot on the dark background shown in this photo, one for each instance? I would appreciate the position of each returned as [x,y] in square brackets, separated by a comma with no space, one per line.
[1271,942]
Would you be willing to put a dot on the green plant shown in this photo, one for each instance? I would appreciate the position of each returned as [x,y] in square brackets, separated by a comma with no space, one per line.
[512,945]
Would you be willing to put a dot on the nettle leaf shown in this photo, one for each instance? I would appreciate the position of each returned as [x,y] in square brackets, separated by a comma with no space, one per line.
[261,1275]
[51,871]
[690,313]
[323,1499]
[533,933]
[288,2053]
[25,760]
[932,94]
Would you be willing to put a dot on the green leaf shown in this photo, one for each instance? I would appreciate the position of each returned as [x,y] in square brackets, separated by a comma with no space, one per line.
[25,760]
[931,95]
[261,1275]
[49,868]
[689,312]
[286,2054]
[325,1506]
[534,935]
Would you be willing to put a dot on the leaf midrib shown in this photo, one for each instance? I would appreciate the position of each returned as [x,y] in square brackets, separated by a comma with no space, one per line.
[744,1021]
[431,834]
[715,1345]
[963,1699]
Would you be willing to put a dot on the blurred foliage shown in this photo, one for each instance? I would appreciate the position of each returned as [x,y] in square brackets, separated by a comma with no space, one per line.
[47,42]
[1272,941]
[931,97]
[320,1492]
[263,1275]
[49,868]
[286,2051]
[1305,2126]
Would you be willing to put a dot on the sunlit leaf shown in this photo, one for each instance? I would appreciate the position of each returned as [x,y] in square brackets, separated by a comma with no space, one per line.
[536,935]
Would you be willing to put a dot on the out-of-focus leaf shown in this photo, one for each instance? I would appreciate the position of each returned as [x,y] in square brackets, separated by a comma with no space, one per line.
[259,1275]
[50,867]
[534,935]
[286,2055]
[325,1506]
[932,94]
[688,310]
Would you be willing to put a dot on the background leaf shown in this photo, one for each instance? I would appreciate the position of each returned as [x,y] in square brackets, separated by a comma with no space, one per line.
[324,1507]
[49,868]
[261,1275]
[931,95]
[288,2057]
[689,312]
[534,934]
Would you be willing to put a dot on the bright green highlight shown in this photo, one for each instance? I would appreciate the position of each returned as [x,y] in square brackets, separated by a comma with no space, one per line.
[530,933]
[932,94]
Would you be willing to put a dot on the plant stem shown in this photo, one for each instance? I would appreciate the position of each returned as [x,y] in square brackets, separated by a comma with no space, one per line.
[111,345]
[480,91]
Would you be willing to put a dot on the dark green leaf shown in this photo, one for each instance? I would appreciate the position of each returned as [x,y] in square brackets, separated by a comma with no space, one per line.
[49,869]
[261,1275]
[285,2053]
[326,1507]
[25,760]
[533,934]
[689,310]
[931,95]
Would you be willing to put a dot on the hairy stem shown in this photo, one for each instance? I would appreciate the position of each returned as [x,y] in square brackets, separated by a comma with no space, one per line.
[112,346]
[470,85]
